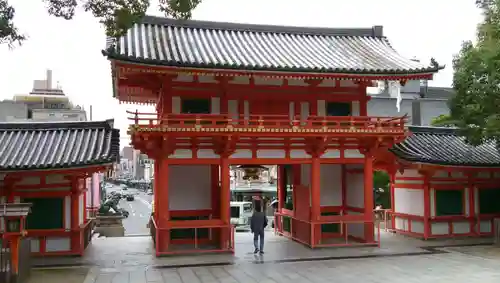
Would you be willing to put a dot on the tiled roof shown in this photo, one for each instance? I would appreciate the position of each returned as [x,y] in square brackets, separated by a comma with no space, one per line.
[28,146]
[443,146]
[439,92]
[197,44]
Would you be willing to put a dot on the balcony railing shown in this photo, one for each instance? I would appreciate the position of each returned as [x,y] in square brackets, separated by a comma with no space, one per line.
[271,123]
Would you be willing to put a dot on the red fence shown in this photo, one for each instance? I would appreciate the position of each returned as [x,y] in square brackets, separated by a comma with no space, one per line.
[304,231]
[213,121]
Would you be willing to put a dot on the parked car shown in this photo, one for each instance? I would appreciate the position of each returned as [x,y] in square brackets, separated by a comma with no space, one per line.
[130,197]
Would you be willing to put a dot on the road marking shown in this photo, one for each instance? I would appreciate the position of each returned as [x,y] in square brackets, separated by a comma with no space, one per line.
[148,204]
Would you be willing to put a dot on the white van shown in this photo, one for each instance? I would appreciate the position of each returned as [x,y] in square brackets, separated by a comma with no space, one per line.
[241,212]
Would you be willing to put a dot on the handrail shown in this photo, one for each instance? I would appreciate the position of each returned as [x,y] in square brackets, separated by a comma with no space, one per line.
[267,121]
[343,223]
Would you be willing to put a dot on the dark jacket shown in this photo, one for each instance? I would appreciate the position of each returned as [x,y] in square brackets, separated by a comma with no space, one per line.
[258,222]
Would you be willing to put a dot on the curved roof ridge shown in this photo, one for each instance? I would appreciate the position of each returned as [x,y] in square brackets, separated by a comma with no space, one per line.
[434,130]
[50,125]
[374,31]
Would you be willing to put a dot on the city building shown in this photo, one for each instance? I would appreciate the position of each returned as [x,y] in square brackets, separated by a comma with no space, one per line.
[294,97]
[44,103]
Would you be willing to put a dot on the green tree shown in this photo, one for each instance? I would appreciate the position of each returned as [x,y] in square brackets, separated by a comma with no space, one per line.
[116,15]
[476,80]
[443,121]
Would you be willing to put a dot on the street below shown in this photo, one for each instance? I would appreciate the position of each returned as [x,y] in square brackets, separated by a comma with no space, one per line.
[139,211]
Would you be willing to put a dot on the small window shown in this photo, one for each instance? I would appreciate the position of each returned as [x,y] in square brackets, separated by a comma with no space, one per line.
[195,106]
[247,207]
[338,109]
[449,202]
[489,201]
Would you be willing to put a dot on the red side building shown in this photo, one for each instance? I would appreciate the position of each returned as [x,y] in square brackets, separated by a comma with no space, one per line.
[236,94]
[47,165]
[441,186]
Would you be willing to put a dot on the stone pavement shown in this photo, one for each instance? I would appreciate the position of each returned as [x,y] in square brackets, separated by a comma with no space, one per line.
[131,260]
[443,268]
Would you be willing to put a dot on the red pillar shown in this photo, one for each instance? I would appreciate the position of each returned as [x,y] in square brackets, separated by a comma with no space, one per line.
[162,207]
[225,199]
[427,207]
[215,196]
[368,197]
[315,200]
[76,246]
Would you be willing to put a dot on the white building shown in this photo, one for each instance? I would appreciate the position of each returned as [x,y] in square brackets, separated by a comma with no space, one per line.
[44,103]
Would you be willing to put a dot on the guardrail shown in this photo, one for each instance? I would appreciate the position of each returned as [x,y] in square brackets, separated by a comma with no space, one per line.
[155,234]
[307,238]
[284,122]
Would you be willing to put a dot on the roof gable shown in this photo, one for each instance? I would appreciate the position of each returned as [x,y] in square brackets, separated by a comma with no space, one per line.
[37,146]
[444,146]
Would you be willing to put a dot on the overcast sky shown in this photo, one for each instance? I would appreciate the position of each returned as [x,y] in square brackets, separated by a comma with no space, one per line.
[72,49]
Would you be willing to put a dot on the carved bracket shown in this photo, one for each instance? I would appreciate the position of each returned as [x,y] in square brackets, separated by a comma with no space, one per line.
[317,146]
[224,146]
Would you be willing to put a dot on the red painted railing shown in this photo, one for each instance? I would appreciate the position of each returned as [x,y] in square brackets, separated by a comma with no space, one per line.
[375,124]
[307,230]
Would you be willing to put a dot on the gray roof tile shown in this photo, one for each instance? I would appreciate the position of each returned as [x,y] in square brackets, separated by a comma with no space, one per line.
[28,146]
[444,146]
[197,44]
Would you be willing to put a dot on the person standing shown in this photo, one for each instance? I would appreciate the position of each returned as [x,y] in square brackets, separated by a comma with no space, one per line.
[258,223]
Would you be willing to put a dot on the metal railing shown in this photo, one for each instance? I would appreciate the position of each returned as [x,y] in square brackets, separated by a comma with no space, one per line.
[283,122]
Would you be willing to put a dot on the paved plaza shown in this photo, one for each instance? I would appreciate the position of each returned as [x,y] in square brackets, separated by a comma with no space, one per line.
[400,259]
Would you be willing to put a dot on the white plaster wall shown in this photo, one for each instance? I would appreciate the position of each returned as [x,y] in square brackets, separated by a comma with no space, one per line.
[321,108]
[67,212]
[355,107]
[271,153]
[417,226]
[299,153]
[331,184]
[356,229]
[353,153]
[408,173]
[57,244]
[176,105]
[291,110]
[242,153]
[182,153]
[35,245]
[304,110]
[189,187]
[206,153]
[305,175]
[81,209]
[331,153]
[215,105]
[355,188]
[246,109]
[409,201]
[232,109]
